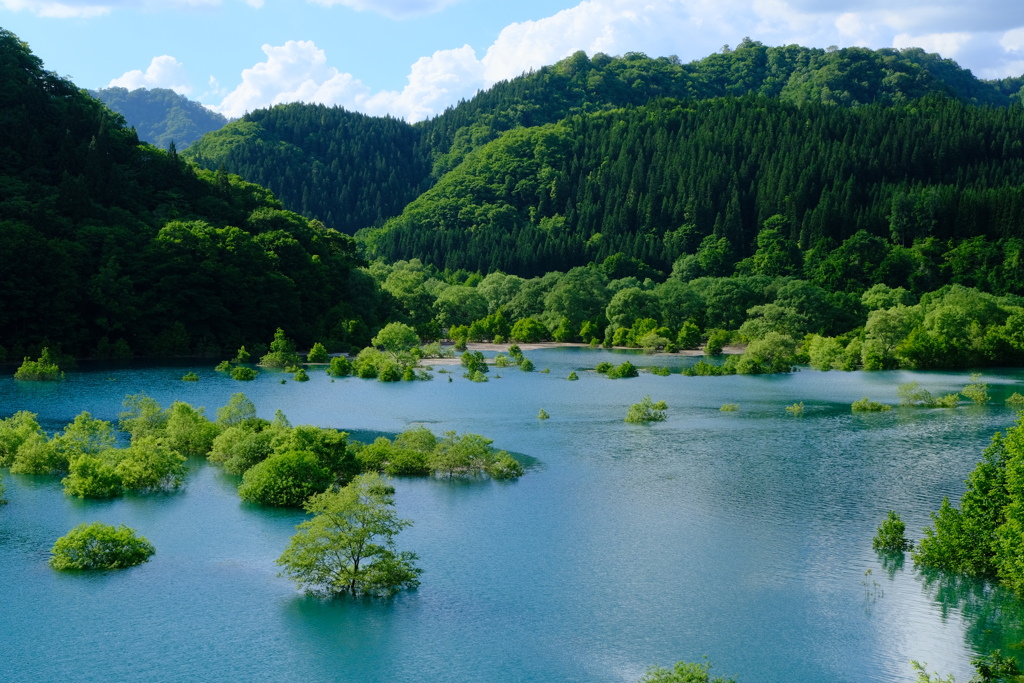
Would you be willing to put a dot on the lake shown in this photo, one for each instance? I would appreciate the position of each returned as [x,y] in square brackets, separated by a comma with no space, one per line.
[744,536]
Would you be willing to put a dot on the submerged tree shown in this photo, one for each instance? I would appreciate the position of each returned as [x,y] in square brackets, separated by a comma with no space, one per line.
[349,546]
[43,370]
[891,535]
[100,546]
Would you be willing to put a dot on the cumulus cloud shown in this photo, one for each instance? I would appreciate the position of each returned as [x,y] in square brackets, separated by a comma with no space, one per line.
[163,72]
[294,72]
[395,9]
[690,29]
[298,72]
[946,44]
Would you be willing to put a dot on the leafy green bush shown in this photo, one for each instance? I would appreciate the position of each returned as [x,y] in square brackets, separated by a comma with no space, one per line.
[223,366]
[340,366]
[242,356]
[317,354]
[43,370]
[526,365]
[572,376]
[244,374]
[1016,399]
[626,369]
[543,415]
[717,339]
[529,331]
[190,377]
[661,372]
[282,352]
[704,369]
[503,361]
[977,390]
[730,407]
[603,367]
[284,479]
[866,405]
[796,410]
[301,375]
[100,546]
[891,535]
[646,411]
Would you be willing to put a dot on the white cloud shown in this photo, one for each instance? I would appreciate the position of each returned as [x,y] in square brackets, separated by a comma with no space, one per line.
[294,72]
[946,44]
[690,29]
[163,72]
[1013,41]
[435,82]
[395,9]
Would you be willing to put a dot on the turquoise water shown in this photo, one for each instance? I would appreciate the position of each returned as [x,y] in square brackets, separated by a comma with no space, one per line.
[742,536]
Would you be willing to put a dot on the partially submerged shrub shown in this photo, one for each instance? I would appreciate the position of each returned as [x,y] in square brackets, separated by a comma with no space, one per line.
[891,535]
[730,407]
[100,546]
[796,410]
[646,411]
[866,405]
[243,374]
[43,370]
[190,377]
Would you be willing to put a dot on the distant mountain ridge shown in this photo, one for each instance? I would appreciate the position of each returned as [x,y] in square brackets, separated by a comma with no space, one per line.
[354,171]
[161,116]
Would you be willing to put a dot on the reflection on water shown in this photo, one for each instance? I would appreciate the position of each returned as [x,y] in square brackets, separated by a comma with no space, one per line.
[743,536]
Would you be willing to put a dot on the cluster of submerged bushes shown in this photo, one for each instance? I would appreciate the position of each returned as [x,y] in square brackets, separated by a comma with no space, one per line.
[280,464]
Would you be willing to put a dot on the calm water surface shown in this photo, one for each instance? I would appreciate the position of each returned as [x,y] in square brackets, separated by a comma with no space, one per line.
[742,536]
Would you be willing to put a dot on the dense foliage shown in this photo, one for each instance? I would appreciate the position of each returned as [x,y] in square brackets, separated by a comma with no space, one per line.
[698,180]
[684,672]
[353,171]
[984,537]
[346,169]
[348,546]
[130,250]
[891,535]
[161,116]
[100,546]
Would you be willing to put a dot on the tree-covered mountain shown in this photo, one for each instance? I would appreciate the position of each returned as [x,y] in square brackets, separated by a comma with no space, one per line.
[112,246]
[161,116]
[673,178]
[348,170]
[333,165]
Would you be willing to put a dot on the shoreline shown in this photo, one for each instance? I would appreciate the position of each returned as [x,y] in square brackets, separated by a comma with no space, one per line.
[503,348]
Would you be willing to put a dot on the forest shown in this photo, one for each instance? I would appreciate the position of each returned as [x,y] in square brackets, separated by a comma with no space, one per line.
[843,208]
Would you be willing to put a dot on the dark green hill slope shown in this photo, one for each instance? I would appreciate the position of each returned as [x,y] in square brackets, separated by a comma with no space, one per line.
[652,182]
[353,171]
[110,245]
[161,116]
[348,170]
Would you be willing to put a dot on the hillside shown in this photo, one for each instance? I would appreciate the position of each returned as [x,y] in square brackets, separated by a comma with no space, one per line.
[653,182]
[161,116]
[333,165]
[111,246]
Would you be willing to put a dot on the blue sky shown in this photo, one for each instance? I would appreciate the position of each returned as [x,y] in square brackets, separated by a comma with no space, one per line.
[412,58]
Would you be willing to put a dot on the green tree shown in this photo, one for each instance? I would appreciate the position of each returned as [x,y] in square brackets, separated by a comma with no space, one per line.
[91,477]
[891,535]
[43,370]
[285,479]
[100,546]
[646,411]
[317,354]
[188,431]
[349,544]
[529,331]
[282,352]
[238,409]
[396,338]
